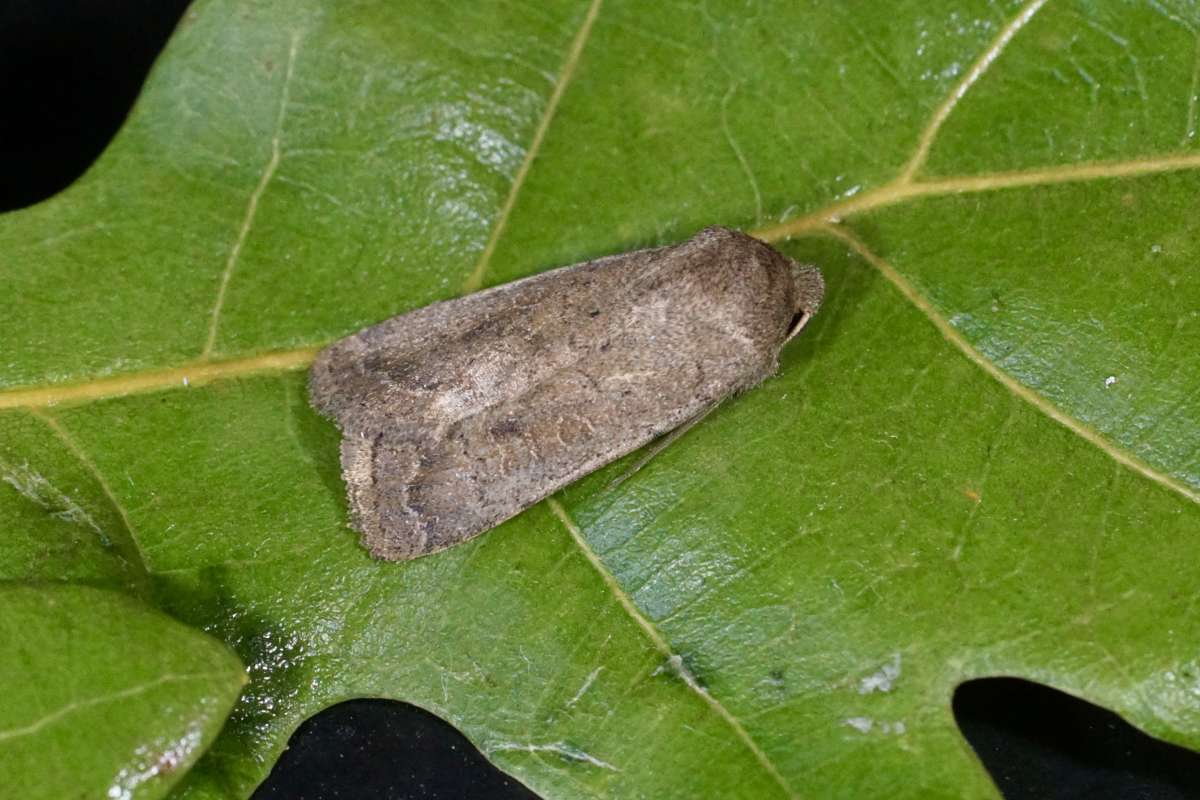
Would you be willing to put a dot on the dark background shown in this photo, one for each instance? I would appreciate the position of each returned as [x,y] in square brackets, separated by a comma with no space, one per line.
[69,72]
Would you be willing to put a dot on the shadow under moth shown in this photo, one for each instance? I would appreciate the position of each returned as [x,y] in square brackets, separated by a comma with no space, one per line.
[459,415]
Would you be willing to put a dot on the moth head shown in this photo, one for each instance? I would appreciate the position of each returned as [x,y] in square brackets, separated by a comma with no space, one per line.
[808,290]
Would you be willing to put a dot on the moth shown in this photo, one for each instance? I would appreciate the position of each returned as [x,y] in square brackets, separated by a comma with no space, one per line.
[457,416]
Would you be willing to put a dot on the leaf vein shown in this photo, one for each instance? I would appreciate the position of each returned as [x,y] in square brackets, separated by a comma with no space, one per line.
[660,643]
[896,192]
[475,279]
[952,335]
[112,697]
[977,70]
[251,205]
[128,546]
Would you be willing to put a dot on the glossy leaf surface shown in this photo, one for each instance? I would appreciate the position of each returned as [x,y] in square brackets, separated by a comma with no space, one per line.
[980,459]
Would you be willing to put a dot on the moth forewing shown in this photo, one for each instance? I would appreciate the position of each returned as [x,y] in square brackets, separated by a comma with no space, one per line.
[458,416]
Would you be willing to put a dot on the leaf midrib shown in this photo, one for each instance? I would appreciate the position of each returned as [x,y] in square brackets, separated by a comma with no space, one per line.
[824,221]
[195,373]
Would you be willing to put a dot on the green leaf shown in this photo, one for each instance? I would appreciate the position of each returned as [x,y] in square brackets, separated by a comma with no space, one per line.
[104,697]
[980,459]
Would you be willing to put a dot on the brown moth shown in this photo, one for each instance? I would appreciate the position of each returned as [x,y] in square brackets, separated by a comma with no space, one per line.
[461,414]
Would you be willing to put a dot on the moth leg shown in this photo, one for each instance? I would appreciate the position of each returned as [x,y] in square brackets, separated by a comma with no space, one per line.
[660,444]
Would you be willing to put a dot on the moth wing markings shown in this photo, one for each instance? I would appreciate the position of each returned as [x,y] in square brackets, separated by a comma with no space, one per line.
[358,469]
[339,377]
[380,506]
[509,485]
[511,489]
[517,478]
[383,509]
[380,471]
[339,374]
